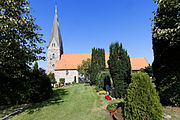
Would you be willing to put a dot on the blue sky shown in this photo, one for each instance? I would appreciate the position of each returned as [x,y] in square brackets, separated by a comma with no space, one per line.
[85,24]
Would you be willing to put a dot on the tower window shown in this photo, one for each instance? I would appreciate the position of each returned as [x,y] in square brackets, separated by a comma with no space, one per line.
[53,65]
[53,44]
[53,56]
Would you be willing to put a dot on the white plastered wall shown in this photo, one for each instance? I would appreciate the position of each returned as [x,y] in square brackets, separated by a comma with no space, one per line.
[67,74]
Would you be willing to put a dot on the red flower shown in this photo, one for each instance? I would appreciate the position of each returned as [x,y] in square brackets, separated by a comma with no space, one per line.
[108,97]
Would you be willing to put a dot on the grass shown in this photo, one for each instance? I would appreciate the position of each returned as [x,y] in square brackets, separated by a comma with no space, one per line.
[174,112]
[75,102]
[5,110]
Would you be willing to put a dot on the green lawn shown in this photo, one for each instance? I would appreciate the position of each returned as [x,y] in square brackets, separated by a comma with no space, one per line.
[7,109]
[76,102]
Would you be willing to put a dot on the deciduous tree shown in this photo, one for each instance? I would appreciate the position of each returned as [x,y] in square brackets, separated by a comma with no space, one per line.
[166,47]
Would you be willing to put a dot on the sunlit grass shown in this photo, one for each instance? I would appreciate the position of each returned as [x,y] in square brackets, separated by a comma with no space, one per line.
[75,102]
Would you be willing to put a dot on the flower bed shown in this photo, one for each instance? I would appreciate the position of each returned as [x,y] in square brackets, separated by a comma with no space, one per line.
[116,110]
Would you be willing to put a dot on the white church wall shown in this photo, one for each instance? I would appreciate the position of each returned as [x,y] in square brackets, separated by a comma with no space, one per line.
[67,74]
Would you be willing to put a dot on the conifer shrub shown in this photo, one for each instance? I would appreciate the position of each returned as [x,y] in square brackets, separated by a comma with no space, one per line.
[142,101]
[120,69]
[97,64]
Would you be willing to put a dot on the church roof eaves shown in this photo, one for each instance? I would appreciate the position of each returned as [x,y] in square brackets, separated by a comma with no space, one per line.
[71,61]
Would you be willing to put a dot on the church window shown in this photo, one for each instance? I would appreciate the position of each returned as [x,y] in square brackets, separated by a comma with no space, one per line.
[53,56]
[67,72]
[53,65]
[53,44]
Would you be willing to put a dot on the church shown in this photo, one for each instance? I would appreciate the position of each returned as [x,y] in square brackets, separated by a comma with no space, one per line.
[65,65]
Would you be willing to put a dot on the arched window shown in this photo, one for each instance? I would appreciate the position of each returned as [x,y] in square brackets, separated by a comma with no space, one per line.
[53,56]
[53,65]
[53,44]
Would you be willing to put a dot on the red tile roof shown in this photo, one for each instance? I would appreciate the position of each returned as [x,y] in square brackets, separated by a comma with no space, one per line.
[71,61]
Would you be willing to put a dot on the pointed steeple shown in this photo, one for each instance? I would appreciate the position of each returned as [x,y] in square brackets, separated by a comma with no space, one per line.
[55,33]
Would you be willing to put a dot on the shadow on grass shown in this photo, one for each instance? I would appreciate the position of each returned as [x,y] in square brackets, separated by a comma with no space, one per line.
[56,98]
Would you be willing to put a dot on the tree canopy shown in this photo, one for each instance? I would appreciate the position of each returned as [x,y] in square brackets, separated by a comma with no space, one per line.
[83,69]
[166,47]
[19,47]
[19,36]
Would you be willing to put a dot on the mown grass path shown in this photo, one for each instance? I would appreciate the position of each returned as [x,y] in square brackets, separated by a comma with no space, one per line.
[76,102]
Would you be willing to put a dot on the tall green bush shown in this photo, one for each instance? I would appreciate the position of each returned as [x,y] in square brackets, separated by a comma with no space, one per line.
[97,64]
[120,69]
[142,101]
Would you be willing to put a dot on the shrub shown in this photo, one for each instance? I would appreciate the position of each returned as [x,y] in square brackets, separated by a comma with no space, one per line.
[62,80]
[103,78]
[34,86]
[142,100]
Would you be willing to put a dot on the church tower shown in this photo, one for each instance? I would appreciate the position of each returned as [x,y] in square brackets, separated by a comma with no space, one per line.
[55,47]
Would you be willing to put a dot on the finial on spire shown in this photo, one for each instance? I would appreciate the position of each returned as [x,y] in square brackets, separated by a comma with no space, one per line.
[56,8]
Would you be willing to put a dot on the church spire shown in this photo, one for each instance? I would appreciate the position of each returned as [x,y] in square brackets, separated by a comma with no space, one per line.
[55,33]
[55,46]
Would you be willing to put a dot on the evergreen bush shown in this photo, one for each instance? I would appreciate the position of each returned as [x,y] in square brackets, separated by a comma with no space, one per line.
[142,101]
[97,64]
[120,69]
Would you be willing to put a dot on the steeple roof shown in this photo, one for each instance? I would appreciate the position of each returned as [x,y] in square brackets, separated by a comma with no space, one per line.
[56,34]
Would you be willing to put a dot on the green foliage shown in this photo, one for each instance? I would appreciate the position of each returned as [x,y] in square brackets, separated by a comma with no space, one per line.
[52,78]
[97,64]
[62,80]
[83,69]
[36,66]
[19,36]
[103,78]
[19,47]
[114,106]
[166,47]
[73,82]
[120,69]
[33,87]
[148,70]
[39,87]
[98,89]
[142,100]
